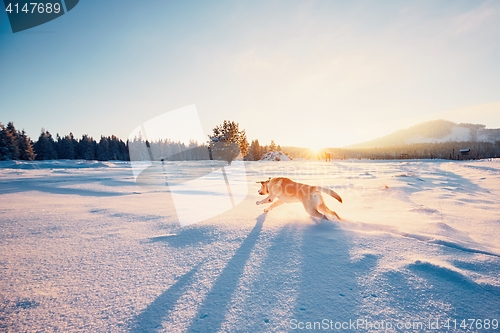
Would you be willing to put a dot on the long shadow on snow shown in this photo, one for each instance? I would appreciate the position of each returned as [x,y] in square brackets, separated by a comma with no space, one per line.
[270,287]
[58,190]
[273,290]
[151,318]
[190,236]
[328,287]
[211,314]
[51,185]
[307,274]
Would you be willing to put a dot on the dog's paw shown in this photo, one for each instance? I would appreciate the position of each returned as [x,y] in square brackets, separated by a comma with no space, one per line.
[266,210]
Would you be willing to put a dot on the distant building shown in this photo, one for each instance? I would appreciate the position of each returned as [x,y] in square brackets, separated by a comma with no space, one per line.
[464,154]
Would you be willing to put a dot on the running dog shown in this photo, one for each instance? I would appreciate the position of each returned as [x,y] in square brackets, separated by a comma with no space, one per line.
[287,190]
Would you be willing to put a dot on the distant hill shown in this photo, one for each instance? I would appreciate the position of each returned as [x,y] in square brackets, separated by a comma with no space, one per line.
[435,131]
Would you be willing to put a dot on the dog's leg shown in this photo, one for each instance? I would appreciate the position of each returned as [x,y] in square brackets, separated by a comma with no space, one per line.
[274,205]
[335,214]
[311,210]
[266,200]
[311,205]
[327,211]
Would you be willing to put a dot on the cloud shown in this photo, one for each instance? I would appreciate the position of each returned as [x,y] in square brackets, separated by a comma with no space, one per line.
[483,19]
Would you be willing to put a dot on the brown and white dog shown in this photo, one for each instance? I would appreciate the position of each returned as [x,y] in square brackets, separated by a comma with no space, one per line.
[287,190]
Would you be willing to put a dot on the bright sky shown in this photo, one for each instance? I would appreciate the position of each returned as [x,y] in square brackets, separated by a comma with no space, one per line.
[304,73]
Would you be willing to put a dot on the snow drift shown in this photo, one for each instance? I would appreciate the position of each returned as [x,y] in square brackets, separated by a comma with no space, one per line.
[275,156]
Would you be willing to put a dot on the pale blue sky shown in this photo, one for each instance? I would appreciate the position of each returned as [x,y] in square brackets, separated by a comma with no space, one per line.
[304,73]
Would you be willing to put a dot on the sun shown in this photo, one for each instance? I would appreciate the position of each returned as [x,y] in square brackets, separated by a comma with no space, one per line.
[316,149]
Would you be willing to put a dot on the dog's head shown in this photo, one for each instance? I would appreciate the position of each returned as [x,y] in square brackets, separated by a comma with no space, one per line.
[263,187]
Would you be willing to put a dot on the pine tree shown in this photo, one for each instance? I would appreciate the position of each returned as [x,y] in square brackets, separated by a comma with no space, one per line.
[115,151]
[3,143]
[25,145]
[123,151]
[45,147]
[139,152]
[102,151]
[227,141]
[8,142]
[75,146]
[66,149]
[58,146]
[256,150]
[87,148]
[272,146]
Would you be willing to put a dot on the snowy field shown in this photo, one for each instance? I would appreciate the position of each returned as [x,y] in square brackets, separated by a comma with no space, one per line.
[85,249]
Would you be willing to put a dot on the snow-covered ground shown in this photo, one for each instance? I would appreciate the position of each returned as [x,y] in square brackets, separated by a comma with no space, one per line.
[85,249]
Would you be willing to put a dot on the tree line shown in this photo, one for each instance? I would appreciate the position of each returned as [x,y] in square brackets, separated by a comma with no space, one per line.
[16,145]
[226,142]
[442,150]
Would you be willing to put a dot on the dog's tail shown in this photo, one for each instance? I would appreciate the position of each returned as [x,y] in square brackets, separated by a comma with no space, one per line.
[331,192]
